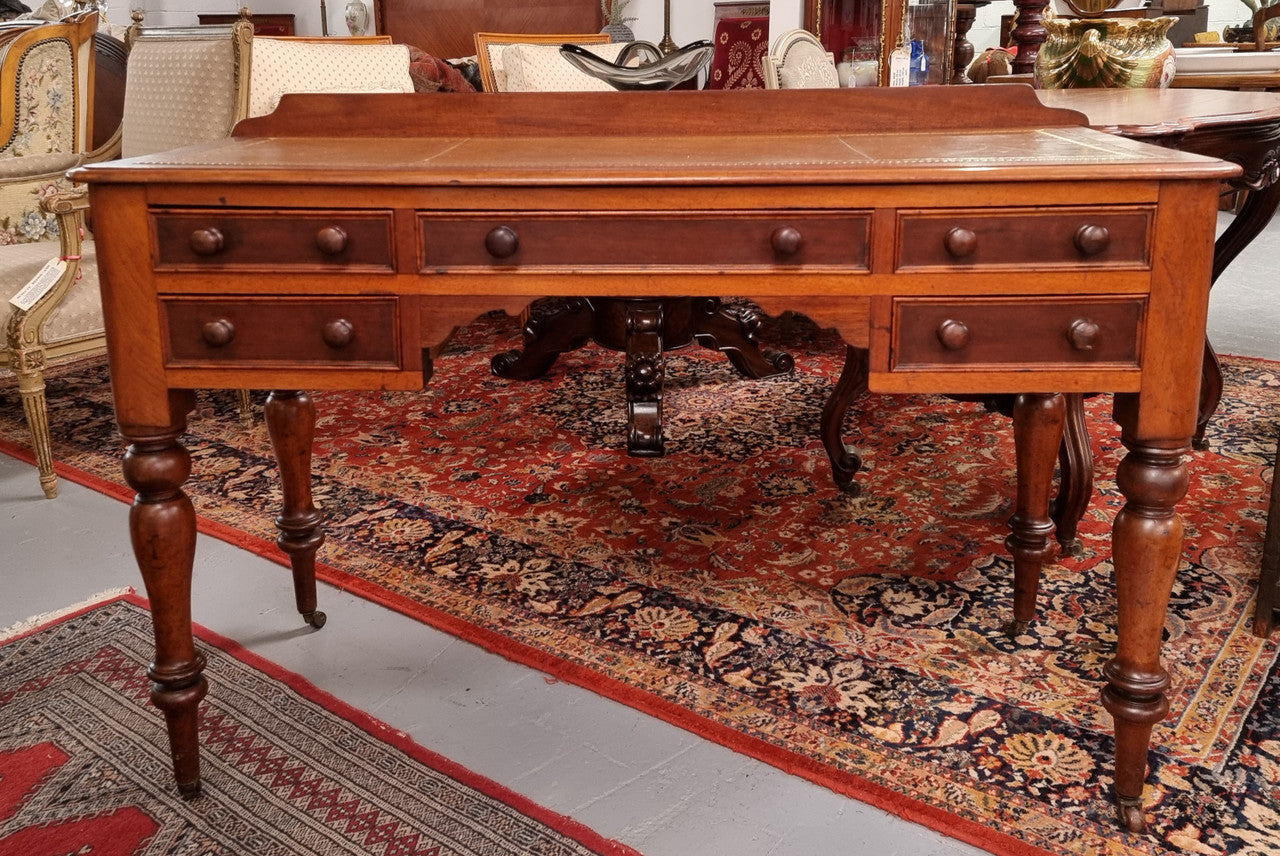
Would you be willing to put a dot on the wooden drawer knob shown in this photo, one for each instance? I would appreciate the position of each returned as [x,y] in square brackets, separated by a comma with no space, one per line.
[502,242]
[786,241]
[953,335]
[331,240]
[206,242]
[338,333]
[1091,239]
[1084,334]
[960,243]
[218,332]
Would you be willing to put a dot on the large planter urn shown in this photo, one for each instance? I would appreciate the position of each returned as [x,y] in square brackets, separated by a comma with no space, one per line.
[1105,52]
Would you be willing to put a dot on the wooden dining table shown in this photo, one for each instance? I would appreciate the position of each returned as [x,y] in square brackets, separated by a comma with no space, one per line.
[1240,127]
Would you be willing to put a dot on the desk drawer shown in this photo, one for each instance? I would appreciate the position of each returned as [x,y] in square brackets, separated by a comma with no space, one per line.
[610,239]
[308,332]
[293,240]
[1056,238]
[1032,332]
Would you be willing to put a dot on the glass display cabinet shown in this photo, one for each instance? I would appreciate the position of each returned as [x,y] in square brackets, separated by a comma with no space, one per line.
[864,33]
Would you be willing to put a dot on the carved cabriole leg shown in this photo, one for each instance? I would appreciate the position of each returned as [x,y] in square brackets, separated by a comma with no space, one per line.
[644,377]
[733,333]
[845,461]
[162,526]
[1037,436]
[291,421]
[1146,549]
[1262,180]
[1075,477]
[545,339]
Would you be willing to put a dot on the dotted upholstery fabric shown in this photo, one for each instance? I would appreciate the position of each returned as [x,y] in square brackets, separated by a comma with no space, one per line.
[80,313]
[540,68]
[179,92]
[280,67]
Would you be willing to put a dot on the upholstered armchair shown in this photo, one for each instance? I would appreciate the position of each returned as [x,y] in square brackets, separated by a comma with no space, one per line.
[45,129]
[183,86]
[531,62]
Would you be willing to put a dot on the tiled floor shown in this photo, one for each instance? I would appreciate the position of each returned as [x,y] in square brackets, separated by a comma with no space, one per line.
[630,776]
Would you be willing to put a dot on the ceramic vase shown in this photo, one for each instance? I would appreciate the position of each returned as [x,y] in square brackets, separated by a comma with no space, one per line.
[357,15]
[1105,52]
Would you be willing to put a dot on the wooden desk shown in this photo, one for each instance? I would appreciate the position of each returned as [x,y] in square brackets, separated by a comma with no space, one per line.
[331,244]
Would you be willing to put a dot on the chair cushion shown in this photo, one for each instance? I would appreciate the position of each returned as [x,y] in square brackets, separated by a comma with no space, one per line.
[179,92]
[80,313]
[741,44]
[22,218]
[281,66]
[540,68]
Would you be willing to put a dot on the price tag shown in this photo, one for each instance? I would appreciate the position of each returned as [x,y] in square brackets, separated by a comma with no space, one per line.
[899,67]
[39,285]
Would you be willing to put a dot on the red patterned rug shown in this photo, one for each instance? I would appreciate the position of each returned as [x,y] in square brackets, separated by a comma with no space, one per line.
[729,588]
[288,769]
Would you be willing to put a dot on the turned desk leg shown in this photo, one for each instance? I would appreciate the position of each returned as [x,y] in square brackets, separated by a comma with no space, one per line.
[162,527]
[1037,436]
[1146,549]
[291,422]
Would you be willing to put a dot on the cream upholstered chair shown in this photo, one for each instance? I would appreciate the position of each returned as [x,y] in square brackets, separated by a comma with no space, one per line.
[185,85]
[284,65]
[531,62]
[46,126]
[799,61]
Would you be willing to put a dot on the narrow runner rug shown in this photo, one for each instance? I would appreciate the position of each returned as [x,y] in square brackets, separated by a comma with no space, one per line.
[288,770]
[729,588]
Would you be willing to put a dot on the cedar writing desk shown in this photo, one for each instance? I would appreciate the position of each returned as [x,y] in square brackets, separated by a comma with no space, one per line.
[974,244]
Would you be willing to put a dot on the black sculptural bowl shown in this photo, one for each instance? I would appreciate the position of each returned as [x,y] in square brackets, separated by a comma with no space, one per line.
[655,71]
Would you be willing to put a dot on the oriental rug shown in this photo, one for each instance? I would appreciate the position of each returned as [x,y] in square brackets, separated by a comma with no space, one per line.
[287,769]
[728,587]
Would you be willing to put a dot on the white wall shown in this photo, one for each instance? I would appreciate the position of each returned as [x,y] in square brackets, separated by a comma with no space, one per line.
[690,19]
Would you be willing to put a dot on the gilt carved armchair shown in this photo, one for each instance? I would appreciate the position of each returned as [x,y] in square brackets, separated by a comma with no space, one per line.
[46,77]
